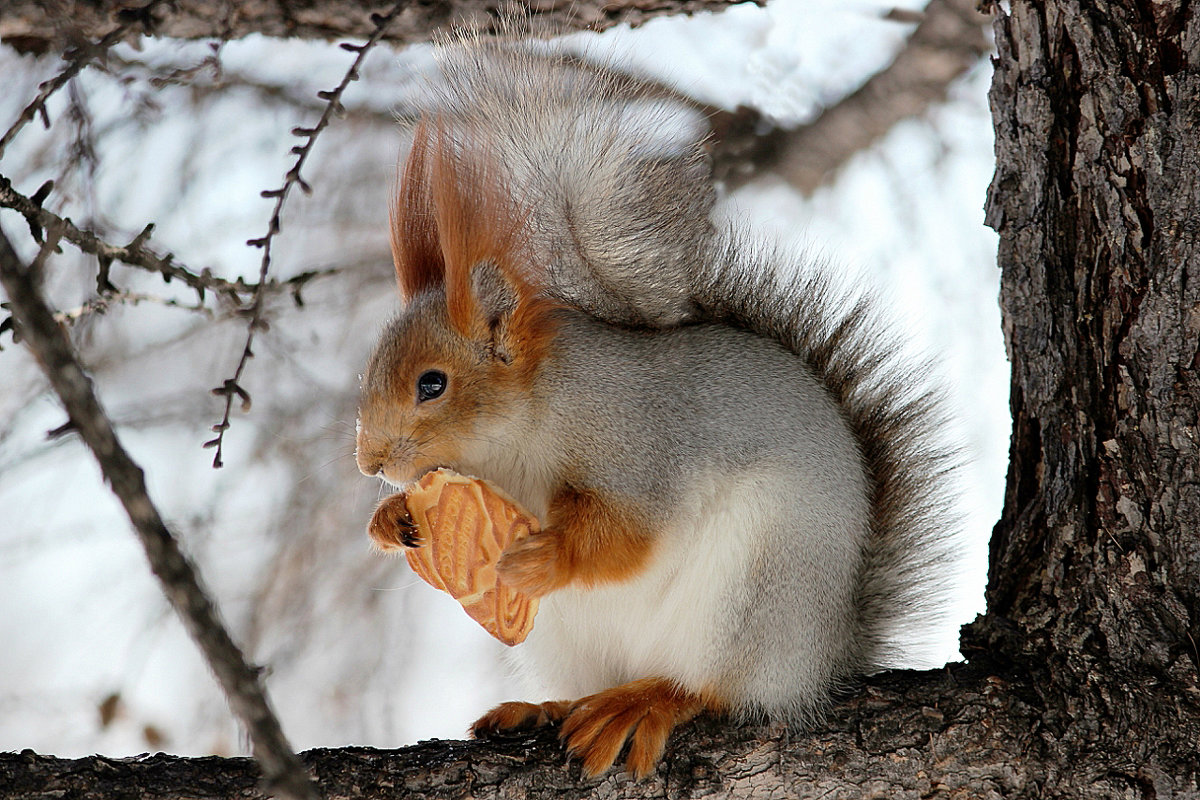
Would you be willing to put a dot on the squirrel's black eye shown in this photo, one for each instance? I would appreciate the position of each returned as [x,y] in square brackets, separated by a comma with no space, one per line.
[431,384]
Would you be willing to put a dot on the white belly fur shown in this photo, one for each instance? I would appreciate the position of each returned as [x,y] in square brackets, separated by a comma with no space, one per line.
[668,621]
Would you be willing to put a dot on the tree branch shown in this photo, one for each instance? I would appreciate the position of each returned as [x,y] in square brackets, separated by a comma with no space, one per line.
[137,254]
[958,732]
[49,344]
[37,26]
[77,57]
[949,40]
[231,388]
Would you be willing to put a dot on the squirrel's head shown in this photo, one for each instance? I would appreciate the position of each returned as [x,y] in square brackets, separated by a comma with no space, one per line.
[450,380]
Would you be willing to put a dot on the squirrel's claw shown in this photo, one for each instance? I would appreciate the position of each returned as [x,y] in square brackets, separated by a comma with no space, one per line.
[408,532]
[391,526]
[641,712]
[518,716]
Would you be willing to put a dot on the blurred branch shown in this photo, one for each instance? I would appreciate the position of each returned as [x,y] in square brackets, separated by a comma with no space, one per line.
[950,38]
[180,581]
[33,24]
[201,86]
[102,303]
[231,388]
[77,57]
[137,254]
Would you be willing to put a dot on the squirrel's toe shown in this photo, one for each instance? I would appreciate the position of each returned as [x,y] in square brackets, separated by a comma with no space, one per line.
[642,713]
[517,716]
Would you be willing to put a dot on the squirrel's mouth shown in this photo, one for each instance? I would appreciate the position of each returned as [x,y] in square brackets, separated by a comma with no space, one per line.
[434,468]
[414,476]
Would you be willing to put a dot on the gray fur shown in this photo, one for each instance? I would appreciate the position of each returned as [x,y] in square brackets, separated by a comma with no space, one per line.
[612,178]
[654,414]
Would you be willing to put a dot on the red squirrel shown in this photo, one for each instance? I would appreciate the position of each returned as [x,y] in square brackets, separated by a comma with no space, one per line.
[743,496]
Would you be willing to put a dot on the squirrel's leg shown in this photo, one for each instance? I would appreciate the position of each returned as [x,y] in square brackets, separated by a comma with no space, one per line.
[516,716]
[589,539]
[643,712]
[391,527]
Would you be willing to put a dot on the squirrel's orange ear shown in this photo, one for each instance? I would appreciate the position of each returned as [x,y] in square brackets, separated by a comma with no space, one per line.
[491,293]
[416,253]
[454,227]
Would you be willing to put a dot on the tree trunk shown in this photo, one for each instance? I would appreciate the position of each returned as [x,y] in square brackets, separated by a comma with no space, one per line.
[1094,585]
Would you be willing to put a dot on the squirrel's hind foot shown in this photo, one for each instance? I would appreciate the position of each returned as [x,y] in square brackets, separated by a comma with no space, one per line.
[642,712]
[518,716]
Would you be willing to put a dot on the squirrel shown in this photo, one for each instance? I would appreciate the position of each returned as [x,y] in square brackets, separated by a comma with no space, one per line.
[743,488]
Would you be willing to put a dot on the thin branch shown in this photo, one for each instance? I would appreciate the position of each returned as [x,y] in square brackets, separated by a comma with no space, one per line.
[50,346]
[102,303]
[950,38]
[77,58]
[193,79]
[232,387]
[137,254]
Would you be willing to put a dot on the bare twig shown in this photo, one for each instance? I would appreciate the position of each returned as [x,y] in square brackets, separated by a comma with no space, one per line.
[193,79]
[77,58]
[281,768]
[102,303]
[950,38]
[138,254]
[232,388]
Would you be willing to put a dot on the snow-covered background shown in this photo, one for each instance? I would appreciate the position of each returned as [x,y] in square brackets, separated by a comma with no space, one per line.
[359,650]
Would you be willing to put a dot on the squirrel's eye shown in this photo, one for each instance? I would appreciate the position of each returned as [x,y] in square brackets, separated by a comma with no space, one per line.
[431,384]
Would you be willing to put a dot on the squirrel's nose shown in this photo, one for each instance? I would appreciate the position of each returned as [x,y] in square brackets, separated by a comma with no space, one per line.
[369,460]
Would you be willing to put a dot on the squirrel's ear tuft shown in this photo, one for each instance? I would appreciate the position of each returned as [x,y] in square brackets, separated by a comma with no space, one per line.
[489,273]
[454,227]
[416,252]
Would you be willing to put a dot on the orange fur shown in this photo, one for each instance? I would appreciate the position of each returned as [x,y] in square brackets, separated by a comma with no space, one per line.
[642,712]
[595,728]
[416,255]
[449,216]
[517,716]
[391,527]
[396,439]
[475,222]
[589,540]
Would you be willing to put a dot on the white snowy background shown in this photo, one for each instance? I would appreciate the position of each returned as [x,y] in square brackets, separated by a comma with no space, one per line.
[359,650]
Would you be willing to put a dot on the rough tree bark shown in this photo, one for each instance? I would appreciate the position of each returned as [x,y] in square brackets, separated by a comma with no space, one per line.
[1094,586]
[1083,675]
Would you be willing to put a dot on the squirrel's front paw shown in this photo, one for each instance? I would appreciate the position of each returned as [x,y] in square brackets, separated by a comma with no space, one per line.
[391,526]
[533,565]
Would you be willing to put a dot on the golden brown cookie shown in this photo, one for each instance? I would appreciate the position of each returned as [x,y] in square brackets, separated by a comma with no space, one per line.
[464,524]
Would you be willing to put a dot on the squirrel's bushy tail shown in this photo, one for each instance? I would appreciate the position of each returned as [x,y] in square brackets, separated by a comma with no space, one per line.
[612,172]
[911,554]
